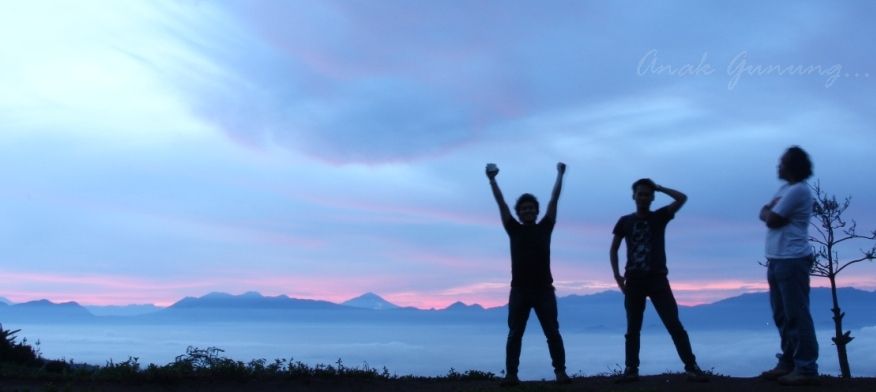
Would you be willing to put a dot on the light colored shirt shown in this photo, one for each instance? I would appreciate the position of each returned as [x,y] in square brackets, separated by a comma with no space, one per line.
[791,241]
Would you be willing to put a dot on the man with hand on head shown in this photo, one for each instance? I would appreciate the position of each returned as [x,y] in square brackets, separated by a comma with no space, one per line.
[645,275]
[531,280]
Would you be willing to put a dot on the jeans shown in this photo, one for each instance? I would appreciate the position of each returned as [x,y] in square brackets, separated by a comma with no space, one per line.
[789,299]
[656,287]
[520,302]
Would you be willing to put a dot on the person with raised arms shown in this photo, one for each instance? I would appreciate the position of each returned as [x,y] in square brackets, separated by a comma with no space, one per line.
[531,279]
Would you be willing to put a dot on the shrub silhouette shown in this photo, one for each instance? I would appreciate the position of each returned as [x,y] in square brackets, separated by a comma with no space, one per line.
[209,364]
[22,361]
[17,353]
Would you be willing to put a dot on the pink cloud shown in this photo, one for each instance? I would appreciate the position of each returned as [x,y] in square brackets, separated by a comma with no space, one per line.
[718,285]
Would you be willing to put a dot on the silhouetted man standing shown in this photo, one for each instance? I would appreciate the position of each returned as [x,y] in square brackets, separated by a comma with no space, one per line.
[646,275]
[789,257]
[531,280]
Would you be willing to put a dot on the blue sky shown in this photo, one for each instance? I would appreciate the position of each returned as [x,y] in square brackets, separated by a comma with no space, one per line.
[152,150]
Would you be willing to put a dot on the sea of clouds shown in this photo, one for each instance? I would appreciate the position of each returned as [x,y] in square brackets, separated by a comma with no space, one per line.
[430,350]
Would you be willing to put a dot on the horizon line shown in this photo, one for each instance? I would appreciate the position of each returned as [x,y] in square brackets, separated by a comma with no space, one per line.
[159,306]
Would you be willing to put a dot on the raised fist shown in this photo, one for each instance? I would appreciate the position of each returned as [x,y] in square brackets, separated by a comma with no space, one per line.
[492,170]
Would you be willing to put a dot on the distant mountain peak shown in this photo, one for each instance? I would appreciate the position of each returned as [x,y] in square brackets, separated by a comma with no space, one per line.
[252,294]
[43,310]
[47,303]
[248,301]
[216,294]
[459,305]
[370,300]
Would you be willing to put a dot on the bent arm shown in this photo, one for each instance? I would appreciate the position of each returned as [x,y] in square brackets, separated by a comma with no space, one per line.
[555,194]
[678,198]
[772,219]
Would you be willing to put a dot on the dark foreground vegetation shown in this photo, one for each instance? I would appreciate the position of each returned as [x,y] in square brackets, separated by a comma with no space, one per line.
[23,369]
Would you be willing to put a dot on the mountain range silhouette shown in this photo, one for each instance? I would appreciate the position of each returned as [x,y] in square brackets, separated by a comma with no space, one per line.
[593,312]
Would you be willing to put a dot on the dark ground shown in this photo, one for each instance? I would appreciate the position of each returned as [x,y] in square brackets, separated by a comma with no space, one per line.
[666,382]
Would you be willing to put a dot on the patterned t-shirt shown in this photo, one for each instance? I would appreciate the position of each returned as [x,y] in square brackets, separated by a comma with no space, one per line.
[645,239]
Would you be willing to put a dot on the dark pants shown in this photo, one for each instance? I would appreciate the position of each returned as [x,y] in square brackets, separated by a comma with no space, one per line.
[789,298]
[656,287]
[520,302]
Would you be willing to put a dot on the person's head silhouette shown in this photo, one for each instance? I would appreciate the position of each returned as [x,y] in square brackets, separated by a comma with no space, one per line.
[795,166]
[527,208]
[643,193]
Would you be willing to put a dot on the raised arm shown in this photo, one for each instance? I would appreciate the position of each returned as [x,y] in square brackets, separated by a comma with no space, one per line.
[615,268]
[678,198]
[555,195]
[504,211]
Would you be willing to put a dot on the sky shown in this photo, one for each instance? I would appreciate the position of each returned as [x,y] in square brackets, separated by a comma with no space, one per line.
[153,150]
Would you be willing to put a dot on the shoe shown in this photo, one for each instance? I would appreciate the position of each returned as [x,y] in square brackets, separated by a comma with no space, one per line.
[695,374]
[629,375]
[510,380]
[775,373]
[562,377]
[796,378]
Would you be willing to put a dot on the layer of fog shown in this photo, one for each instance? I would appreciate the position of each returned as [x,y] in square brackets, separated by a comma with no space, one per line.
[429,351]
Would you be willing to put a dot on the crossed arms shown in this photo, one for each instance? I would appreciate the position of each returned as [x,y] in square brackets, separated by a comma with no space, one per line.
[772,220]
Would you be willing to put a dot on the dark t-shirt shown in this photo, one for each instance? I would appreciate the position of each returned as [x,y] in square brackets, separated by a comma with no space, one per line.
[530,253]
[645,238]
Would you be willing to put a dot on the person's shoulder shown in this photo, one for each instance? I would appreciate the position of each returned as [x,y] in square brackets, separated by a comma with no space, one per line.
[547,221]
[629,216]
[623,219]
[800,189]
[803,186]
[797,187]
[510,223]
[665,210]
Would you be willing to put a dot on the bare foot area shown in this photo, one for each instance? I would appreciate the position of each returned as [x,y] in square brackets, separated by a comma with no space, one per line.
[665,382]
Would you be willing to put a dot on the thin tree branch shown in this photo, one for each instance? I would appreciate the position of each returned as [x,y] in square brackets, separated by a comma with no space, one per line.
[817,241]
[844,239]
[817,228]
[855,261]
